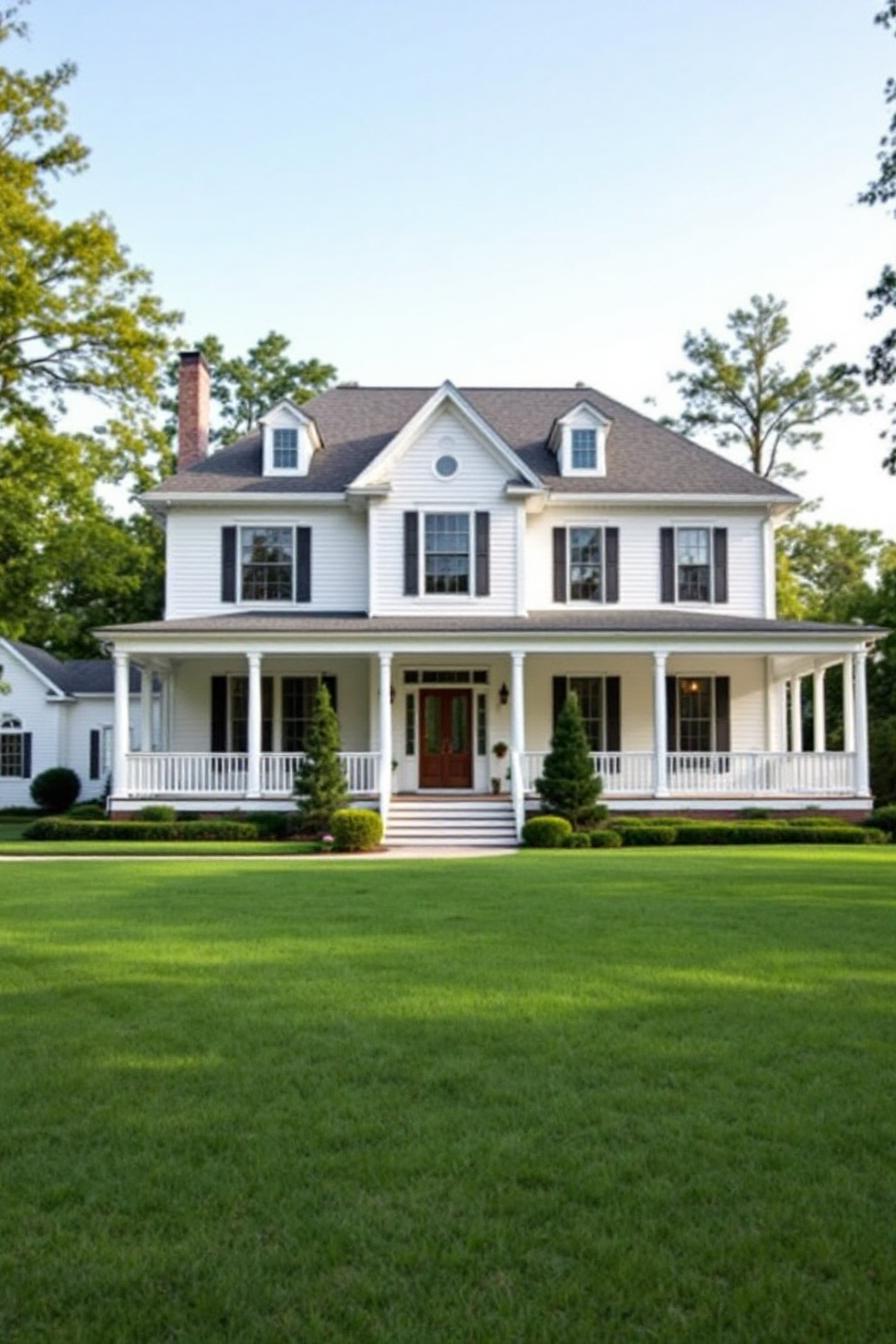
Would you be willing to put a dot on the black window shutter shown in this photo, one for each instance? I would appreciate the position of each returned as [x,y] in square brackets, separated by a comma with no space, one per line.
[267,714]
[720,563]
[26,755]
[411,554]
[558,694]
[303,564]
[611,567]
[723,713]
[614,699]
[483,581]
[671,713]
[94,753]
[219,713]
[667,564]
[559,564]
[331,685]
[228,564]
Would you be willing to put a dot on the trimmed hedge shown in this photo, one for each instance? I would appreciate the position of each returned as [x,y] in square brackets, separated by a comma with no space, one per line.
[86,812]
[647,835]
[606,840]
[356,829]
[157,812]
[578,840]
[56,789]
[773,833]
[63,829]
[546,832]
[884,819]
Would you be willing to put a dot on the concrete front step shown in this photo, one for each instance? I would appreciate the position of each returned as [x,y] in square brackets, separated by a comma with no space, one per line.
[451,823]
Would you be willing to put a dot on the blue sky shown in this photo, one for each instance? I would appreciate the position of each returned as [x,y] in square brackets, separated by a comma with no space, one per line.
[495,192]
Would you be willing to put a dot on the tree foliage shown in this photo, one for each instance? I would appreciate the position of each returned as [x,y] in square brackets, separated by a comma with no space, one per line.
[881,190]
[568,786]
[243,387]
[320,787]
[79,325]
[739,392]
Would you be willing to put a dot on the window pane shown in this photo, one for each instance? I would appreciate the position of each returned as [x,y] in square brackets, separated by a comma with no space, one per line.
[267,564]
[584,449]
[694,714]
[590,692]
[693,564]
[410,725]
[239,713]
[12,756]
[447,544]
[585,547]
[298,707]
[481,724]
[286,449]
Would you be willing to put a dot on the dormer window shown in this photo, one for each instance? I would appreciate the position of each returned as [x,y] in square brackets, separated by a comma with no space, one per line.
[584,449]
[286,449]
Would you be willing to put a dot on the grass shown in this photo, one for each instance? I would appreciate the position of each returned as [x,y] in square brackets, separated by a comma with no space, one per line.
[634,1096]
[47,849]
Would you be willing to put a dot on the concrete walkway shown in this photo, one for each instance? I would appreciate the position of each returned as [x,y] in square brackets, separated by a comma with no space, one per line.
[388,854]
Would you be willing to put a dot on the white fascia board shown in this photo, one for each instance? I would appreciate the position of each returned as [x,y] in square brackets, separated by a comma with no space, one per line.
[58,692]
[446,394]
[567,497]
[253,498]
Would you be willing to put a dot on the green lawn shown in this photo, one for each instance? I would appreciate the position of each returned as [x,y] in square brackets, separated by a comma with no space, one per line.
[627,1096]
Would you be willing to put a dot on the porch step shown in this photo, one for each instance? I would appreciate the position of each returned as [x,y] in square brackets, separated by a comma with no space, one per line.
[441,823]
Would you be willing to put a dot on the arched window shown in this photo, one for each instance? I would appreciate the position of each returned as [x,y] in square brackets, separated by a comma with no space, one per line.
[14,748]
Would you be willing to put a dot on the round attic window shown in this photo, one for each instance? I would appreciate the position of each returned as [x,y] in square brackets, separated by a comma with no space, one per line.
[446,466]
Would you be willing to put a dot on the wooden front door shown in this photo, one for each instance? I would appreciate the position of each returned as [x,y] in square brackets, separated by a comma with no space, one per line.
[446,739]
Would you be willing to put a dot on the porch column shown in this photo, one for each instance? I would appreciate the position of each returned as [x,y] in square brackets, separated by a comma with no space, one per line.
[121,727]
[517,702]
[660,727]
[253,772]
[796,714]
[861,725]
[385,734]
[819,738]
[146,708]
[849,705]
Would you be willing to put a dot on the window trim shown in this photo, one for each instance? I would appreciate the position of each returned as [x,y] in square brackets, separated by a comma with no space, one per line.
[708,528]
[293,448]
[293,548]
[470,515]
[12,726]
[590,467]
[592,527]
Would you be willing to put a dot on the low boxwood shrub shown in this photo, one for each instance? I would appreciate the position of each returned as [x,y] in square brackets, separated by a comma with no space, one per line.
[817,819]
[63,829]
[55,790]
[618,820]
[770,833]
[578,840]
[87,812]
[356,829]
[884,819]
[157,812]
[273,825]
[754,814]
[546,832]
[647,835]
[605,840]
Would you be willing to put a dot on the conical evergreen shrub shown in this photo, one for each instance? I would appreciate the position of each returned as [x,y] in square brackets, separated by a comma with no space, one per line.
[568,786]
[320,788]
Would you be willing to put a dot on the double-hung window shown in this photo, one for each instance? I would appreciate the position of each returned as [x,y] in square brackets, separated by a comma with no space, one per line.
[591,695]
[12,748]
[239,713]
[584,450]
[286,449]
[696,714]
[267,564]
[586,564]
[298,695]
[694,568]
[447,562]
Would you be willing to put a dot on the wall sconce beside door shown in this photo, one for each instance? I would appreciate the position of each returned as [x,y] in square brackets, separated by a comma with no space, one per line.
[503,693]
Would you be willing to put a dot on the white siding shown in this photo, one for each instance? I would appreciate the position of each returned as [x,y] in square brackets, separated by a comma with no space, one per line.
[639,554]
[191,727]
[193,550]
[479,484]
[27,701]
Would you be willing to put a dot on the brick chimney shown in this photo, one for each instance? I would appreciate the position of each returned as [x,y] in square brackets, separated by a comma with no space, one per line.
[192,410]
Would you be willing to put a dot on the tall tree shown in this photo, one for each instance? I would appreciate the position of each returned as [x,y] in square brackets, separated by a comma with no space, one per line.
[737,390]
[568,786]
[78,320]
[320,787]
[245,386]
[827,571]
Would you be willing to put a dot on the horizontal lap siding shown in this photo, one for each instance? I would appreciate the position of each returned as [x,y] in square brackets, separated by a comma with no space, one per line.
[192,691]
[27,700]
[338,557]
[639,554]
[479,485]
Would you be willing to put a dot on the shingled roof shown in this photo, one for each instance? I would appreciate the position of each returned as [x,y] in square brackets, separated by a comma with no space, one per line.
[74,676]
[356,423]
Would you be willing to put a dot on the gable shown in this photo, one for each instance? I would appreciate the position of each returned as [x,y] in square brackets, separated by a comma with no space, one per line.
[423,471]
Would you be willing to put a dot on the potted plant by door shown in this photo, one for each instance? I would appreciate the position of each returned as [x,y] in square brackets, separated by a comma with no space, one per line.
[496,784]
[500,749]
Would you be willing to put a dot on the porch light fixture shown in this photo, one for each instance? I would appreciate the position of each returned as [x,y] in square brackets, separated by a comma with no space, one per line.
[691,687]
[503,693]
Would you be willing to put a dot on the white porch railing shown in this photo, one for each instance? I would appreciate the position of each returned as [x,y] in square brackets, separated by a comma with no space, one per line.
[621,771]
[822,774]
[217,774]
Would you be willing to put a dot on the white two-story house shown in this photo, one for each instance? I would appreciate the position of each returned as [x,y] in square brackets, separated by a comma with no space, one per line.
[451,563]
